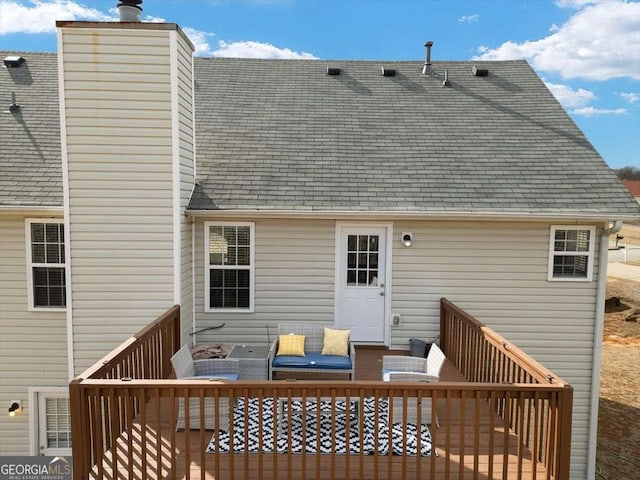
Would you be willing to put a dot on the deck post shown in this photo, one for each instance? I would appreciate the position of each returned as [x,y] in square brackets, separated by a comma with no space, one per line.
[443,326]
[564,443]
[79,428]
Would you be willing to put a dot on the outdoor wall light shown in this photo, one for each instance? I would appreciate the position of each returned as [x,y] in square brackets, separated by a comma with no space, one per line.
[15,407]
[407,239]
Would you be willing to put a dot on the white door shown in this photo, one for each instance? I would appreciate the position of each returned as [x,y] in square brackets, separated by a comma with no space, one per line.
[54,432]
[360,291]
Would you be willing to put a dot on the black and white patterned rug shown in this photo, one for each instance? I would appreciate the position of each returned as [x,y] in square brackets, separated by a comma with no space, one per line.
[402,442]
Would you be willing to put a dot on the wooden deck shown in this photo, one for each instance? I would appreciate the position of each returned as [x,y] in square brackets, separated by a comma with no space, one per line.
[497,459]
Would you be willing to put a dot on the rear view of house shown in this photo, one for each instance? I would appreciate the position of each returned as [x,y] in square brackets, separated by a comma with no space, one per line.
[249,192]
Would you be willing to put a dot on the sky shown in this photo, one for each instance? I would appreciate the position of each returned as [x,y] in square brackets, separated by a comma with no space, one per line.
[586,51]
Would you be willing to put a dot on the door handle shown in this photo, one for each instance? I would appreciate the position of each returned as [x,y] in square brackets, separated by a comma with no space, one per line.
[382,293]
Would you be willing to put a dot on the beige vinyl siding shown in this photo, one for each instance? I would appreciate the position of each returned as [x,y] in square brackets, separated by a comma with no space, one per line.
[33,344]
[187,179]
[498,273]
[294,281]
[117,97]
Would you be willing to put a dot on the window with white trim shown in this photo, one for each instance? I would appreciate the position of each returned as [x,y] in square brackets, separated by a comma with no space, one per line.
[571,251]
[46,264]
[229,262]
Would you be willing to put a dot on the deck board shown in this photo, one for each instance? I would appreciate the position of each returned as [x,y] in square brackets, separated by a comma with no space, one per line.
[453,443]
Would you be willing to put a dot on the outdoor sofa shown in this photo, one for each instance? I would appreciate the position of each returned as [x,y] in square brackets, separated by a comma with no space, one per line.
[312,359]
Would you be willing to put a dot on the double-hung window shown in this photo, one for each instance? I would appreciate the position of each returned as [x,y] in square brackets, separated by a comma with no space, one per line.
[46,264]
[571,253]
[229,264]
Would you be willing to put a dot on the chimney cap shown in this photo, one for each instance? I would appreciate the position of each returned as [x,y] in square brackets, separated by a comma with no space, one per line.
[429,43]
[129,10]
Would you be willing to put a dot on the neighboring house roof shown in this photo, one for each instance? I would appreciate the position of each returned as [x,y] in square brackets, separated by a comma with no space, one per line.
[284,135]
[633,186]
[30,159]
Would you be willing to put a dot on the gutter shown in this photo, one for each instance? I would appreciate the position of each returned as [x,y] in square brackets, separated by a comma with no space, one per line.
[597,346]
[400,214]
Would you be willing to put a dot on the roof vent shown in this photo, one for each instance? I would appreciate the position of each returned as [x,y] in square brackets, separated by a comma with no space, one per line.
[479,72]
[130,10]
[13,61]
[14,107]
[388,72]
[333,71]
[426,68]
[446,82]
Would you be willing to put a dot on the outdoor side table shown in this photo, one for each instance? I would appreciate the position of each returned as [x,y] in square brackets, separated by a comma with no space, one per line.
[253,361]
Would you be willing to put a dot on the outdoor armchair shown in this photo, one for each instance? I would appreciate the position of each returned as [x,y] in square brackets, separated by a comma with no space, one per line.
[208,369]
[396,368]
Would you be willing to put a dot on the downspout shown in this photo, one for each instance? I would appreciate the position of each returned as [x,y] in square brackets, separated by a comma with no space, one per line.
[193,280]
[597,346]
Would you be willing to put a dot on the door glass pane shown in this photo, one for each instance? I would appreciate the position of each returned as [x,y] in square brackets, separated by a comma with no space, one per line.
[363,242]
[362,260]
[373,260]
[362,277]
[352,243]
[351,260]
[58,422]
[351,277]
[373,243]
[373,278]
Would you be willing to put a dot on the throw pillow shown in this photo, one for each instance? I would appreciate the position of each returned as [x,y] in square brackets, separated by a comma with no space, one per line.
[291,345]
[336,342]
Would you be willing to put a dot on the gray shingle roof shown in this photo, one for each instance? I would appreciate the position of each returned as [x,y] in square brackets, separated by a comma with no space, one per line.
[30,159]
[281,134]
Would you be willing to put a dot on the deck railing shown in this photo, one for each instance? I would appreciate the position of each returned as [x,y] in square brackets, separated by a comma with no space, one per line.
[124,412]
[542,424]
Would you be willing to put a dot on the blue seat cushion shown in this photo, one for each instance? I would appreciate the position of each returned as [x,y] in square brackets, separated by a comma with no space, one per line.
[221,376]
[313,360]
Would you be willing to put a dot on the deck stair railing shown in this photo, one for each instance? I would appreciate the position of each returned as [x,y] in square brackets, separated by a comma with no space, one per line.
[541,422]
[510,420]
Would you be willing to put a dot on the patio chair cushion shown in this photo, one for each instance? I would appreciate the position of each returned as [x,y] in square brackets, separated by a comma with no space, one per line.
[291,345]
[336,342]
[313,360]
[216,376]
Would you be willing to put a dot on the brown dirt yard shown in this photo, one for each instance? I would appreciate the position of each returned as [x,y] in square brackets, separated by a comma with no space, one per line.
[618,455]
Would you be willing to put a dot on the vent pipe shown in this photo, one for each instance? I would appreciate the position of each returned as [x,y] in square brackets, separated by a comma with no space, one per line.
[130,10]
[426,69]
[445,82]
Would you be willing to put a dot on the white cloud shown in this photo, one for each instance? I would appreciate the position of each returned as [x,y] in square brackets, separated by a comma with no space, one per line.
[200,41]
[40,16]
[469,18]
[570,98]
[593,112]
[598,42]
[630,97]
[251,49]
[577,3]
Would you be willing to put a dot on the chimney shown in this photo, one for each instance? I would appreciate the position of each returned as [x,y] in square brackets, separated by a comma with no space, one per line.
[129,143]
[129,10]
[426,69]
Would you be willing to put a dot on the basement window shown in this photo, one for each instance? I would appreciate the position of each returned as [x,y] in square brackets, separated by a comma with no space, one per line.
[229,260]
[571,252]
[46,264]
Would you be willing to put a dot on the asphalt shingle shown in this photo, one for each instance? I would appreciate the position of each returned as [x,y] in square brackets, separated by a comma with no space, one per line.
[284,135]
